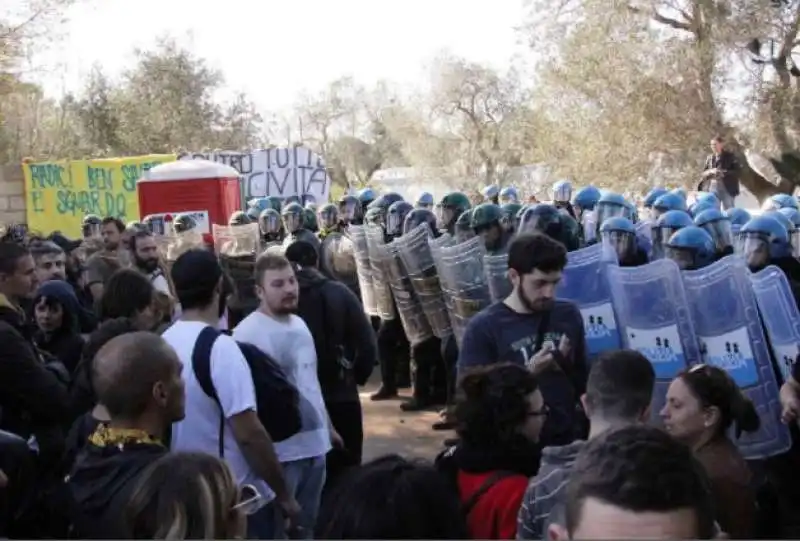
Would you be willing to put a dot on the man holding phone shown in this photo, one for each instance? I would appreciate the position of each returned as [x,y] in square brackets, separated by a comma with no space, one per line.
[533,328]
[721,174]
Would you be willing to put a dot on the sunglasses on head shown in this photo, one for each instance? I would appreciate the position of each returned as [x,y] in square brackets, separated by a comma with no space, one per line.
[250,500]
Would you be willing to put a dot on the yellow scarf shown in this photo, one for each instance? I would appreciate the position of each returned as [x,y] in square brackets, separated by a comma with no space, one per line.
[105,436]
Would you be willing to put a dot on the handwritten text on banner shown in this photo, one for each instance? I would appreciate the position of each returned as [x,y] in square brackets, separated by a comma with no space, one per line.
[59,194]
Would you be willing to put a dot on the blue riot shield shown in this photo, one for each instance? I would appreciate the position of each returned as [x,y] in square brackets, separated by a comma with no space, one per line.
[585,283]
[728,329]
[653,317]
[780,316]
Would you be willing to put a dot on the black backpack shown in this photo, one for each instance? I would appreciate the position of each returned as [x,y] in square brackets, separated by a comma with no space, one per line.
[277,400]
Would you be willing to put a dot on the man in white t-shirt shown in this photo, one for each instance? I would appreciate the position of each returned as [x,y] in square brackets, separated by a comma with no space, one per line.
[275,330]
[247,447]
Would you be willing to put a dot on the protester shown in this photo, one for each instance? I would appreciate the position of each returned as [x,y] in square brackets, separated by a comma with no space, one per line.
[702,404]
[532,328]
[145,257]
[137,377]
[188,496]
[392,498]
[101,265]
[50,260]
[129,294]
[636,482]
[57,314]
[618,393]
[499,416]
[235,433]
[74,272]
[84,408]
[346,351]
[275,330]
[33,393]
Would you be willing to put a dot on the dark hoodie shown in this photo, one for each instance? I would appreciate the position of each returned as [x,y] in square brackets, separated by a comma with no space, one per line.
[33,393]
[65,343]
[343,336]
[103,479]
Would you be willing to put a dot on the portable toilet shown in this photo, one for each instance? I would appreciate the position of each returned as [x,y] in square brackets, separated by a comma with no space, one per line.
[208,191]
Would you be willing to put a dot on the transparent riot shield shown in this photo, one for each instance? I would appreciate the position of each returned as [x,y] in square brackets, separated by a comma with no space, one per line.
[409,309]
[585,283]
[273,247]
[653,318]
[234,240]
[358,235]
[175,244]
[416,252]
[237,248]
[496,268]
[337,259]
[725,315]
[780,316]
[463,282]
[384,301]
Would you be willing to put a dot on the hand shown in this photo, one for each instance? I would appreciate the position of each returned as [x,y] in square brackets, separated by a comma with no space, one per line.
[544,358]
[790,403]
[336,439]
[291,511]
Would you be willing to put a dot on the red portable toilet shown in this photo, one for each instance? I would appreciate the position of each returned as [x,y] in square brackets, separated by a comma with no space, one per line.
[209,191]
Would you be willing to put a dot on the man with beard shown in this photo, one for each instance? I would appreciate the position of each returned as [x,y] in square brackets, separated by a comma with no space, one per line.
[532,328]
[145,257]
[50,261]
[101,265]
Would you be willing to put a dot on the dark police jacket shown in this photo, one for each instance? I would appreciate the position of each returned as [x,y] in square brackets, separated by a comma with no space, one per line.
[726,161]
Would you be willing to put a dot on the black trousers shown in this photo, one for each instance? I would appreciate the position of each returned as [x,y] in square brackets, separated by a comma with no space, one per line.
[392,347]
[429,371]
[450,358]
[348,421]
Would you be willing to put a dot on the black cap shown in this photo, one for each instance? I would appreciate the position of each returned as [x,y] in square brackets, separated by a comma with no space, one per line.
[196,270]
[64,243]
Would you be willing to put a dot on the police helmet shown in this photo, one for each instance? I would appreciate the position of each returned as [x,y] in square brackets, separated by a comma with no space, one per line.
[424,200]
[396,217]
[238,218]
[562,191]
[717,224]
[652,195]
[509,195]
[762,239]
[269,221]
[691,248]
[419,216]
[485,215]
[328,216]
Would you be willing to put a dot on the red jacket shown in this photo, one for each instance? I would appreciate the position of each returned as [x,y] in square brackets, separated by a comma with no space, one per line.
[494,515]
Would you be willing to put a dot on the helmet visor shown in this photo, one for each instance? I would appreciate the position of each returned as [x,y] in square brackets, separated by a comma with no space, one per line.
[91,230]
[755,250]
[609,210]
[622,242]
[269,223]
[394,224]
[562,193]
[328,218]
[720,231]
[292,222]
[683,257]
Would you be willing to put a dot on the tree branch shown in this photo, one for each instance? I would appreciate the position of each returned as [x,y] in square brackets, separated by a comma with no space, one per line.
[663,19]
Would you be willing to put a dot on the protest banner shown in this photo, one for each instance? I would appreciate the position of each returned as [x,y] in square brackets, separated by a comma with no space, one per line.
[279,171]
[59,194]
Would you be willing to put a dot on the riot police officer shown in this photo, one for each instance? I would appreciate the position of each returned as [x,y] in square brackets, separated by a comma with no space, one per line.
[269,223]
[485,222]
[491,194]
[294,225]
[562,194]
[91,226]
[350,211]
[667,202]
[366,196]
[453,205]
[691,247]
[239,218]
[419,216]
[620,234]
[508,216]
[509,195]
[395,218]
[650,199]
[310,220]
[718,226]
[549,220]
[779,201]
[424,201]
[584,200]
[765,241]
[666,226]
[463,228]
[328,220]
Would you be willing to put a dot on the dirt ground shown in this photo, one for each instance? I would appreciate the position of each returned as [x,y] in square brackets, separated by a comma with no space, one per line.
[387,429]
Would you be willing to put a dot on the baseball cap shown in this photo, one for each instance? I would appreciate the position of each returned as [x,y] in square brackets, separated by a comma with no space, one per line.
[196,270]
[65,243]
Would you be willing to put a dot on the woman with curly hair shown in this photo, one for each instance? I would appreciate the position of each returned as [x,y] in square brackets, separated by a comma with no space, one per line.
[499,416]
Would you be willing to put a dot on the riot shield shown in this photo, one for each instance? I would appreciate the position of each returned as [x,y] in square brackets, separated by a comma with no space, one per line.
[725,315]
[384,301]
[463,282]
[409,309]
[234,240]
[780,316]
[653,318]
[337,258]
[273,247]
[175,244]
[496,268]
[585,283]
[417,257]
[237,248]
[358,235]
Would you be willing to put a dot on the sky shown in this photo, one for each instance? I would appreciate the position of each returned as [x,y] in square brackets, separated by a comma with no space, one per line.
[274,50]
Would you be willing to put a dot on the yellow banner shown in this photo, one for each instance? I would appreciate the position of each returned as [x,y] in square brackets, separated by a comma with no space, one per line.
[59,194]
